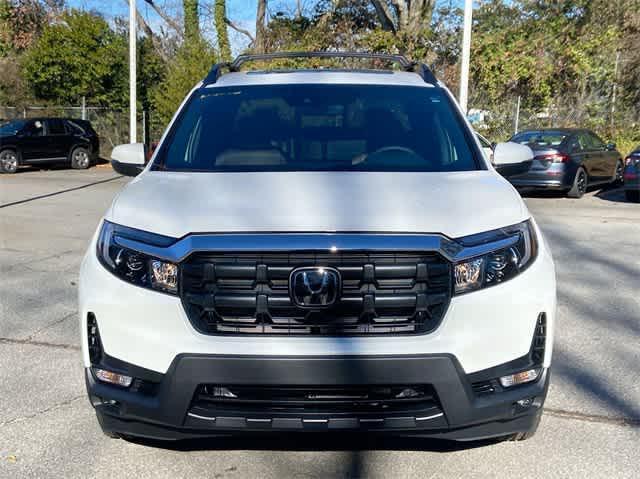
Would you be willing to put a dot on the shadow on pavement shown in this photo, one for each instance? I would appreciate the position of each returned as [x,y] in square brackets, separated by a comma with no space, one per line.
[569,362]
[354,442]
[613,194]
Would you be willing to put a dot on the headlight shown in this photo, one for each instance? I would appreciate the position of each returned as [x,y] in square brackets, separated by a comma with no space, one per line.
[499,265]
[133,266]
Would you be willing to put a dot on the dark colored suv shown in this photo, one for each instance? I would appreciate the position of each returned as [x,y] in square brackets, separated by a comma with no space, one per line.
[632,176]
[37,141]
[569,160]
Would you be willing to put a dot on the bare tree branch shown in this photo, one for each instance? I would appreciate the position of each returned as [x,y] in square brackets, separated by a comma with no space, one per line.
[384,14]
[148,31]
[239,29]
[167,19]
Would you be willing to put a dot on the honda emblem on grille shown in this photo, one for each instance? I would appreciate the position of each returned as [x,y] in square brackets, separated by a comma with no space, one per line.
[314,287]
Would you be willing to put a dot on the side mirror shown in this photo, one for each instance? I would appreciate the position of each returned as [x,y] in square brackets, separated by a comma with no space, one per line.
[512,158]
[128,159]
[611,146]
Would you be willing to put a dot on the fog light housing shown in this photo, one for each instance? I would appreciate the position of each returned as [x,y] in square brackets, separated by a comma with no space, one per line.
[522,377]
[113,378]
[525,403]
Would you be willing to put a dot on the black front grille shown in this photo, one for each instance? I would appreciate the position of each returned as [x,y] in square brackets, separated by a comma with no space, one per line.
[382,293]
[327,400]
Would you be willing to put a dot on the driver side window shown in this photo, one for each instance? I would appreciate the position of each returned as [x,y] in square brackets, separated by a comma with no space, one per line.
[34,128]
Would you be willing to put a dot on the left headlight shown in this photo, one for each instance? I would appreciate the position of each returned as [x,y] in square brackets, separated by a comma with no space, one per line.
[499,265]
[133,266]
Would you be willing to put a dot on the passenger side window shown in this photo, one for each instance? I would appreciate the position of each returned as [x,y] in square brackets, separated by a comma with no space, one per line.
[74,129]
[596,143]
[56,127]
[574,145]
[585,142]
[34,128]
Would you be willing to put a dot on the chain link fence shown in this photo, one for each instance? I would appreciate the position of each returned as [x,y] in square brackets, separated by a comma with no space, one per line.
[112,125]
[501,123]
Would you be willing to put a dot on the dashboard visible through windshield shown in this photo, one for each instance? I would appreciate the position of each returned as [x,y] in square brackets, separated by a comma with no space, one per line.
[318,128]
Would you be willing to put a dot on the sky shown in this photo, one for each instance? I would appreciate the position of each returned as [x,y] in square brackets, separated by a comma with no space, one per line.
[241,12]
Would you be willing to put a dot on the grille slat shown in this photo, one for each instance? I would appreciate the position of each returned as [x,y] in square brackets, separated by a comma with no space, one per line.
[382,293]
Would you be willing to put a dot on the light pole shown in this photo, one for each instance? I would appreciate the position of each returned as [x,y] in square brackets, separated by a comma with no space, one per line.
[466,53]
[133,124]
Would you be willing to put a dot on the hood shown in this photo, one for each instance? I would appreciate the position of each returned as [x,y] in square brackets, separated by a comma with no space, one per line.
[455,204]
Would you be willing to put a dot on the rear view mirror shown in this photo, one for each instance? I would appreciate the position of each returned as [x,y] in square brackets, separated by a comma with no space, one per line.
[512,158]
[129,159]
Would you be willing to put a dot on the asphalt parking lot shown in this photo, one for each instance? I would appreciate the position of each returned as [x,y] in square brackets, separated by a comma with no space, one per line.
[591,426]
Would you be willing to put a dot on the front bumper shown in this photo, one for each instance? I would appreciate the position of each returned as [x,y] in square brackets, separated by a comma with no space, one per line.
[164,409]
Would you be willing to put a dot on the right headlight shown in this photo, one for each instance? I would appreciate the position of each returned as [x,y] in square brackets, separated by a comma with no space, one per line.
[133,266]
[499,265]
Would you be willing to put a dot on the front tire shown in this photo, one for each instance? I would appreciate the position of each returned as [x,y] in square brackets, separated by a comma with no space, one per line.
[8,161]
[633,196]
[580,182]
[80,159]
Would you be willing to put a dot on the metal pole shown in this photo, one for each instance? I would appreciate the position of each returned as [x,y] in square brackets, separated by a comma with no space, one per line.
[144,126]
[84,107]
[613,93]
[133,125]
[517,122]
[466,53]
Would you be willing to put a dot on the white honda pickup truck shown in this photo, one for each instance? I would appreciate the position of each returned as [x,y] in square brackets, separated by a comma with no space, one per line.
[318,250]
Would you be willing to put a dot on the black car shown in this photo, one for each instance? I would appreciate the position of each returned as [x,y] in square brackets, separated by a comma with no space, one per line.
[38,141]
[568,160]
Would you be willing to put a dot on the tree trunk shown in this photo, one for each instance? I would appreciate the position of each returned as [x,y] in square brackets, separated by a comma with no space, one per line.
[191,21]
[261,17]
[409,16]
[221,29]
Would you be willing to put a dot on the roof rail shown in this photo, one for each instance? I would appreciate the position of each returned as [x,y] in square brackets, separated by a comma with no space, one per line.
[407,65]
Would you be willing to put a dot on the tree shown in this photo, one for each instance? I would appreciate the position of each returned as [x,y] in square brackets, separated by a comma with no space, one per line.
[261,18]
[79,56]
[221,20]
[408,16]
[21,23]
[191,21]
[191,64]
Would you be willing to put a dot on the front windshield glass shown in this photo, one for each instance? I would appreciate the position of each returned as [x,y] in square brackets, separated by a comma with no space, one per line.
[12,127]
[318,128]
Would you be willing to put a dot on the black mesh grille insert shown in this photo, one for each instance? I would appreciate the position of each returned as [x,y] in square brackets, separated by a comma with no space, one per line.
[382,293]
[315,399]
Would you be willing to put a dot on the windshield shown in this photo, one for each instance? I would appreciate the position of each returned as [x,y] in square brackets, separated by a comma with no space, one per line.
[12,127]
[317,128]
[540,139]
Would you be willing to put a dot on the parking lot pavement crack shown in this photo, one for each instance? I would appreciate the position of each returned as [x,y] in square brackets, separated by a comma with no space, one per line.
[579,416]
[50,325]
[53,407]
[39,343]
